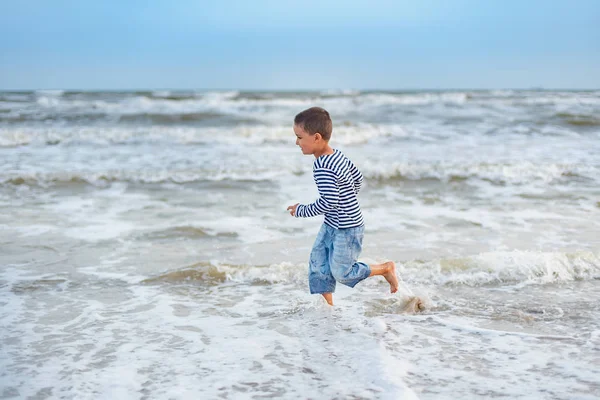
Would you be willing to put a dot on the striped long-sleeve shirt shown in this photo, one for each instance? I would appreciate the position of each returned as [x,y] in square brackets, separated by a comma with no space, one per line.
[338,181]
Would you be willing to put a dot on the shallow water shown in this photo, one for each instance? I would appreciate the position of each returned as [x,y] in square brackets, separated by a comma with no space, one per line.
[145,251]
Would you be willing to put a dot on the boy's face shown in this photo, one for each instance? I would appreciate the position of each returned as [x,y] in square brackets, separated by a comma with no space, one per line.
[306,141]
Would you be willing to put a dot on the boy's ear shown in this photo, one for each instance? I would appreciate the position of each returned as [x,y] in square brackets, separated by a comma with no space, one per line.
[318,136]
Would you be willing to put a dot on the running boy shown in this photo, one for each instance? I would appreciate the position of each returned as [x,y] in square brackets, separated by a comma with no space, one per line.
[339,242]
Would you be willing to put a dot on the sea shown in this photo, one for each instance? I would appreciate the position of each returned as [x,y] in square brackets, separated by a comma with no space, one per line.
[146,251]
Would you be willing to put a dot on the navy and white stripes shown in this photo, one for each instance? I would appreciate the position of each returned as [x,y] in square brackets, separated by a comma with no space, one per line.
[338,181]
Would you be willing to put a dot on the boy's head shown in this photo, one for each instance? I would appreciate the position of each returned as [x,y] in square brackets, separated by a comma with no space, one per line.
[313,129]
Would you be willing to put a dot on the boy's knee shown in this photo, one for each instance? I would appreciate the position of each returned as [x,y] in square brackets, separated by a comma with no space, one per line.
[341,274]
[346,280]
[350,275]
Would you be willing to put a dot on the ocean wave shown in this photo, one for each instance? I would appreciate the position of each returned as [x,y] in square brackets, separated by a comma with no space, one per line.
[239,132]
[516,173]
[145,176]
[50,92]
[534,97]
[37,285]
[408,97]
[495,268]
[19,117]
[339,93]
[189,117]
[93,135]
[130,103]
[503,268]
[172,106]
[16,98]
[187,231]
[169,95]
[512,267]
[208,273]
[200,273]
[158,118]
[416,98]
[376,174]
[579,119]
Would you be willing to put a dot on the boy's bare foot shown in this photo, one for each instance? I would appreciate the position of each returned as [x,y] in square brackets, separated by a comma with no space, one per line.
[390,276]
[388,270]
[328,298]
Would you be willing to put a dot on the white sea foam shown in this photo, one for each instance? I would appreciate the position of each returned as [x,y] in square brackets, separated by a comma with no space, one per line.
[243,339]
[414,98]
[92,344]
[340,92]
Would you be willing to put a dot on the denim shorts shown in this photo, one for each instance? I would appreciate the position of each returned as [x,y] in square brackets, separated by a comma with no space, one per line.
[333,258]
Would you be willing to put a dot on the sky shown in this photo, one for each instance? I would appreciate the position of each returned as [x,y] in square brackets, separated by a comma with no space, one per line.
[293,45]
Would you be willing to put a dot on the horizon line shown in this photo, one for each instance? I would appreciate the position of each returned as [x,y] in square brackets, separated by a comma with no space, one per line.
[147,89]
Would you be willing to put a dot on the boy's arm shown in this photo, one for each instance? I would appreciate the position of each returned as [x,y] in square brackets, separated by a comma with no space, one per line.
[356,177]
[329,195]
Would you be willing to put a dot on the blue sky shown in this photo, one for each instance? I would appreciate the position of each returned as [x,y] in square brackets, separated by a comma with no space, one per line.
[260,44]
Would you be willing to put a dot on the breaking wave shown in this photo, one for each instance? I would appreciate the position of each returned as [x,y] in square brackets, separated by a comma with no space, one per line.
[496,174]
[244,132]
[518,173]
[146,176]
[495,268]
[512,267]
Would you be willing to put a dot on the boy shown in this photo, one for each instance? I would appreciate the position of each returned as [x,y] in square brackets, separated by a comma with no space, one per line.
[339,242]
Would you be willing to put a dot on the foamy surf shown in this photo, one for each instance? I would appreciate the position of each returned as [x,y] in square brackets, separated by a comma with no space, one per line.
[506,268]
[498,268]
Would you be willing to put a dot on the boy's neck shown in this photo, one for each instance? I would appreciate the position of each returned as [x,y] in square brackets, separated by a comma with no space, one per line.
[326,150]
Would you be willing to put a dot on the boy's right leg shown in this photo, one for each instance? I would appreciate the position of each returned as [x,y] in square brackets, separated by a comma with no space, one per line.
[347,246]
[320,279]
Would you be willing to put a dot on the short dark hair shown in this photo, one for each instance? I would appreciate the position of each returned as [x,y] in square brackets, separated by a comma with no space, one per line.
[313,120]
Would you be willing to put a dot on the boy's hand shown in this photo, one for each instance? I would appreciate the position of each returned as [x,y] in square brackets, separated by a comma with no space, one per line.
[292,209]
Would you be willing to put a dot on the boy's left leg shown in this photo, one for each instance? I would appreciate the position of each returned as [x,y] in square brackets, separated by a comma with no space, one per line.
[328,298]
[320,279]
